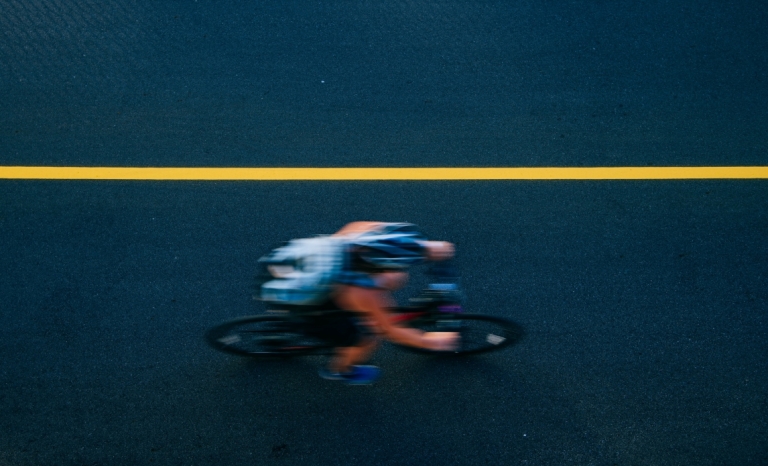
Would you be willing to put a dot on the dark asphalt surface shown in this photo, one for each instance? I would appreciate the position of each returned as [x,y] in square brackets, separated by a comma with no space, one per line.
[645,302]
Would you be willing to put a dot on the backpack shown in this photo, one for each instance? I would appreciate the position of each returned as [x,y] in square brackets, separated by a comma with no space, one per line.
[302,272]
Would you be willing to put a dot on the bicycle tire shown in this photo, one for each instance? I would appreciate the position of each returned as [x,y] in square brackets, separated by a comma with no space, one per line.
[479,333]
[263,336]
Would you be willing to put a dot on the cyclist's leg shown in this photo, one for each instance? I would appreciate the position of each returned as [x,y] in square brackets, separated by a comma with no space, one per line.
[346,363]
[348,356]
[354,341]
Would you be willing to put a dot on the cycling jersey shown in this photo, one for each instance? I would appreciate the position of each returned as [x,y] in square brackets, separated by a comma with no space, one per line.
[349,276]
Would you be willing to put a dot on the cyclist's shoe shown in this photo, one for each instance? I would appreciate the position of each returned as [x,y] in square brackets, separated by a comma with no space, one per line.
[359,375]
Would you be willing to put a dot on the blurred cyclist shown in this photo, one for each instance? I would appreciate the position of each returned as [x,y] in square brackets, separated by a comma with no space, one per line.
[376,258]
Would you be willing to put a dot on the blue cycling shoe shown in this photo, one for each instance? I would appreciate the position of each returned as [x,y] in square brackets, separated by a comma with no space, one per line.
[359,375]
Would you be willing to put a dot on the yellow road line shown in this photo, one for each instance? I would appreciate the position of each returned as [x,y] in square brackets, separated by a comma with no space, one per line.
[359,174]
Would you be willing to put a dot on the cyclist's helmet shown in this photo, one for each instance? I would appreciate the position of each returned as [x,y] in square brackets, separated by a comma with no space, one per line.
[392,247]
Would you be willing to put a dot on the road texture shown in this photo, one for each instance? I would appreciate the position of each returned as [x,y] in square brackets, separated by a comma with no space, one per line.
[645,301]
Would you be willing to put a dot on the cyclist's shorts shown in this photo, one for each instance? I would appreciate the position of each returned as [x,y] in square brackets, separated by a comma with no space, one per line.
[339,328]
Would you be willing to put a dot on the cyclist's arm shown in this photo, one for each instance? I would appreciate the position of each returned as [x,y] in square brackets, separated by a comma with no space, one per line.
[439,250]
[373,303]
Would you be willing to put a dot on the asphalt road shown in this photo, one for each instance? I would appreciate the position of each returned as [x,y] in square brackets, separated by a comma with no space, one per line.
[645,301]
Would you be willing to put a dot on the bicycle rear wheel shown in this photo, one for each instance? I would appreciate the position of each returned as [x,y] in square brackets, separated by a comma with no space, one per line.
[479,333]
[263,336]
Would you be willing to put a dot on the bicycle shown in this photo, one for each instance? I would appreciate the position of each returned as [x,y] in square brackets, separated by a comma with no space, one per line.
[282,332]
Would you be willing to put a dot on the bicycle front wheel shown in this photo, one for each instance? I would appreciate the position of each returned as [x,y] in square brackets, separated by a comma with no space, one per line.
[478,333]
[263,336]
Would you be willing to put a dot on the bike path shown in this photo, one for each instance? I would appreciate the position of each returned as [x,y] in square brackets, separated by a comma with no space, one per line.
[644,304]
[644,300]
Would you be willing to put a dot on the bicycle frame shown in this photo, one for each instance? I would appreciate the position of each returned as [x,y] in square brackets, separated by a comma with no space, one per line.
[407,314]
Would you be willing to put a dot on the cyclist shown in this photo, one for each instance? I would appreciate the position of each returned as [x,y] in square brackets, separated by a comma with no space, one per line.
[377,257]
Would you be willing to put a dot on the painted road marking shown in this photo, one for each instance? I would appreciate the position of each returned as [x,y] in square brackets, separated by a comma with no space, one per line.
[381,174]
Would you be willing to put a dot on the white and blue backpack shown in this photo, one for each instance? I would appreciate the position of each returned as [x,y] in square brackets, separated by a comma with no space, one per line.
[302,272]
